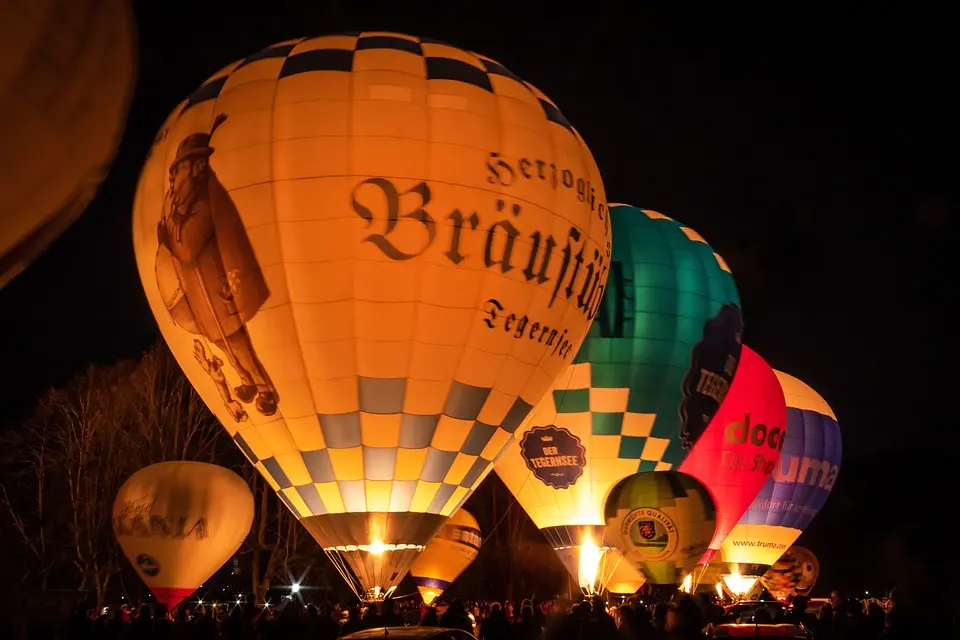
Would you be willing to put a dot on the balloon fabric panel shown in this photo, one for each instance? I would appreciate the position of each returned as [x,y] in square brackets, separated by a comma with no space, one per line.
[808,467]
[619,576]
[798,487]
[448,555]
[400,217]
[666,286]
[619,402]
[66,79]
[735,456]
[795,573]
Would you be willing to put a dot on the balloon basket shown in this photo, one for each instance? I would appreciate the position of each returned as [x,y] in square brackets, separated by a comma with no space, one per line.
[374,596]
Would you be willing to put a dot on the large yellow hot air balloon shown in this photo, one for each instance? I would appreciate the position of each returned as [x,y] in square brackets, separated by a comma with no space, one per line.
[178,522]
[371,254]
[450,552]
[66,77]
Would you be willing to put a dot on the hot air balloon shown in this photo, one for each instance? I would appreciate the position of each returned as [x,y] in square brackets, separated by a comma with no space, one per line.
[450,552]
[650,376]
[662,522]
[794,573]
[371,254]
[66,79]
[619,576]
[599,567]
[178,522]
[737,453]
[797,489]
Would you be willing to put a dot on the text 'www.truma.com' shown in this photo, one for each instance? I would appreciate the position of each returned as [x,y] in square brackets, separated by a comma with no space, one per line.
[758,543]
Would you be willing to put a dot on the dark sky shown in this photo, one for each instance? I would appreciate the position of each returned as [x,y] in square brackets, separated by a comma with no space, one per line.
[811,147]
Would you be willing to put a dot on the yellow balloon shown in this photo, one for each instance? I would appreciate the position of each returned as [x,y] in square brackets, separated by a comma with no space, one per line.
[178,522]
[66,78]
[619,576]
[661,521]
[371,254]
[448,555]
[598,568]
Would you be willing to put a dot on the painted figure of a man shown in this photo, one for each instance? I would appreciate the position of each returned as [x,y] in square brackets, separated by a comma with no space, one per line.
[208,274]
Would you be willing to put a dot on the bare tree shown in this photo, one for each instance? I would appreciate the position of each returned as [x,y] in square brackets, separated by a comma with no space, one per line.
[168,420]
[60,473]
[62,469]
[94,457]
[28,456]
[279,547]
[533,562]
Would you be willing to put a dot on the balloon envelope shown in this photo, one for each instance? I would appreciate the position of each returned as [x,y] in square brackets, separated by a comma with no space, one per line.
[450,552]
[620,577]
[66,78]
[371,254]
[667,336]
[178,522]
[795,573]
[737,453]
[797,488]
[662,522]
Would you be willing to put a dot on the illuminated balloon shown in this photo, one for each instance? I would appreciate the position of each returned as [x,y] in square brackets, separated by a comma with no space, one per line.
[797,489]
[371,254]
[736,454]
[450,552]
[649,377]
[178,522]
[793,574]
[619,576]
[662,522]
[598,568]
[66,78]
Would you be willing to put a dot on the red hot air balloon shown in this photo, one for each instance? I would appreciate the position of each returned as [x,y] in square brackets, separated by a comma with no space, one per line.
[741,446]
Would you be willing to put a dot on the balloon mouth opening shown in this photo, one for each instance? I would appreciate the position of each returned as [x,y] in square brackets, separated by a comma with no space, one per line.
[378,594]
[171,596]
[376,548]
[372,551]
[588,569]
[739,585]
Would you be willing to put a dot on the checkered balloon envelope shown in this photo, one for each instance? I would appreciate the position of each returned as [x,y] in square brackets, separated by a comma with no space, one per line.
[372,254]
[658,360]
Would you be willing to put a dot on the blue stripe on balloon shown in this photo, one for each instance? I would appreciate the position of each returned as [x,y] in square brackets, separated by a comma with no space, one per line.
[792,496]
[431,583]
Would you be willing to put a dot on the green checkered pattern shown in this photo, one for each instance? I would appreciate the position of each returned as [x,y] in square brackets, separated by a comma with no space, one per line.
[665,283]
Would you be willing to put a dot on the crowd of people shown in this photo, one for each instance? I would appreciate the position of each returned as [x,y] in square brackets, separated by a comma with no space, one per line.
[685,617]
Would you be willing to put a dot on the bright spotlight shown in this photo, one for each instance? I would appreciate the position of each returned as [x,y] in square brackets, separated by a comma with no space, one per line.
[295,588]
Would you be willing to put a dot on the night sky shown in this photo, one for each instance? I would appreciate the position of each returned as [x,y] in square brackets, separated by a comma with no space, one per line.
[811,148]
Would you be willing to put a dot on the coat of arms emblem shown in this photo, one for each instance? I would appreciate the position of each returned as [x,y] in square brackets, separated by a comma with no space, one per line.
[648,529]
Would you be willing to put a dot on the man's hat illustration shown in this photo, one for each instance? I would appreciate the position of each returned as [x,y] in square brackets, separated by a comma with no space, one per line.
[197,145]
